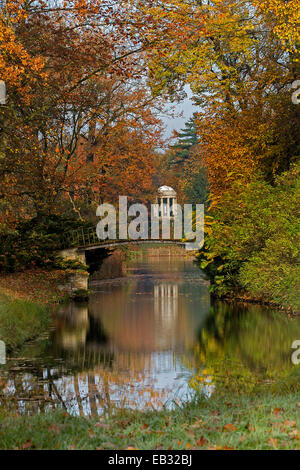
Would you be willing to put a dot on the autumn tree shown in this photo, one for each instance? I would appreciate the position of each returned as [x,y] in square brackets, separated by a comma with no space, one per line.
[120,158]
[232,56]
[285,17]
[75,76]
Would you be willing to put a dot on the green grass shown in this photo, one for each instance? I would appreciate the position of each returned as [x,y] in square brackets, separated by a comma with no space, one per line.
[20,321]
[260,422]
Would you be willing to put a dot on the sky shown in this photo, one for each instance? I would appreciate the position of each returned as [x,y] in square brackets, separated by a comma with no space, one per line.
[186,109]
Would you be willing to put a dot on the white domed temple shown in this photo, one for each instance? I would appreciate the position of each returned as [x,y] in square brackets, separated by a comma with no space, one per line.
[166,200]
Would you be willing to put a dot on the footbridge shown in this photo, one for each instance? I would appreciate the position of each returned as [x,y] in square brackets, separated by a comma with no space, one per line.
[87,239]
[84,246]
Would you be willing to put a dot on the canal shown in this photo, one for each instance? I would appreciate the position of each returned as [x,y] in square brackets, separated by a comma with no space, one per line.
[149,340]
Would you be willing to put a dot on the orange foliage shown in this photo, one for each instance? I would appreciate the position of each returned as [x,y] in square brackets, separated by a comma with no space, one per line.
[73,75]
[231,54]
[18,68]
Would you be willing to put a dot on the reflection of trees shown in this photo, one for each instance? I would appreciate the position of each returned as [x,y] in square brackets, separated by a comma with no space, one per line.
[101,354]
[77,345]
[250,334]
[75,327]
[79,376]
[89,339]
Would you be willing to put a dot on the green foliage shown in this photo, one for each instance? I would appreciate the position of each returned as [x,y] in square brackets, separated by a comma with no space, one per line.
[181,162]
[187,139]
[196,190]
[34,243]
[254,241]
[70,264]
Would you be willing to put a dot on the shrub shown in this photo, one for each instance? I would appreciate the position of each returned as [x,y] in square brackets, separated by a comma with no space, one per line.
[34,242]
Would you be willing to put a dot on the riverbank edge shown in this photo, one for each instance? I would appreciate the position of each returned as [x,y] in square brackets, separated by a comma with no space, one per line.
[27,298]
[244,297]
[37,285]
[231,422]
[28,286]
[21,321]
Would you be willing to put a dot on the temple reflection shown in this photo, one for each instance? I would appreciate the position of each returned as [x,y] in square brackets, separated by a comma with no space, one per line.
[166,301]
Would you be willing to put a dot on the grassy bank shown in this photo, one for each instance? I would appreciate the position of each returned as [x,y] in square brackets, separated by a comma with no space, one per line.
[20,321]
[23,295]
[260,422]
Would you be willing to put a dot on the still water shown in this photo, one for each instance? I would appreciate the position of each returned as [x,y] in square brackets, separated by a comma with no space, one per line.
[146,341]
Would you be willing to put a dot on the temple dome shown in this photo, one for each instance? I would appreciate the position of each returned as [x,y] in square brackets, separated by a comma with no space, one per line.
[167,191]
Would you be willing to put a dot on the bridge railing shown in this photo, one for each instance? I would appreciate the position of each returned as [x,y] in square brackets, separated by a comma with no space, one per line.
[82,237]
[87,236]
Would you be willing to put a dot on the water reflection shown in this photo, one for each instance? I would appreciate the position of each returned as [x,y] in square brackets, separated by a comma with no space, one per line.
[255,336]
[143,341]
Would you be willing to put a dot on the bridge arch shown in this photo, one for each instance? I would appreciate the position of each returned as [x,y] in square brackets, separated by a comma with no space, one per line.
[84,246]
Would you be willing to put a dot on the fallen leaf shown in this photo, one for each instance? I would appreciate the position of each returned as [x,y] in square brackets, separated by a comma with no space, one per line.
[198,424]
[295,434]
[229,427]
[28,444]
[291,424]
[124,423]
[251,428]
[201,442]
[54,428]
[144,426]
[272,442]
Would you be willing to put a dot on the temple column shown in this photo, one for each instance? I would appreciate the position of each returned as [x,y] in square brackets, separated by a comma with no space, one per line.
[168,207]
